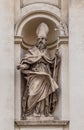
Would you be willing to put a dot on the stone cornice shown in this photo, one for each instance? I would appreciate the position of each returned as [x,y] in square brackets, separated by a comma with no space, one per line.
[61,40]
[42,123]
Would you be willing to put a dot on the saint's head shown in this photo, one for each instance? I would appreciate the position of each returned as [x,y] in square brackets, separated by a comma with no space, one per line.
[42,32]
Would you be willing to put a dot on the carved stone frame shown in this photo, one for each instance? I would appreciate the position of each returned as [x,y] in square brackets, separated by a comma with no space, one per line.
[52,13]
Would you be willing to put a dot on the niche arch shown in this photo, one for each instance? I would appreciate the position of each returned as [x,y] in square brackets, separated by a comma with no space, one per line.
[34,14]
[52,16]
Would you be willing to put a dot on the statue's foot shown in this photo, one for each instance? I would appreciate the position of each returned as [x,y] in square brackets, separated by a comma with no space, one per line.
[42,115]
[48,115]
[37,115]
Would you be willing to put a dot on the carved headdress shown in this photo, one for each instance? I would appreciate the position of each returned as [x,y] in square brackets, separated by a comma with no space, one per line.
[42,30]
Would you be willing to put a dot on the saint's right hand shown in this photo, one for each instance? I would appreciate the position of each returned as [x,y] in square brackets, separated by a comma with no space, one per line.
[21,66]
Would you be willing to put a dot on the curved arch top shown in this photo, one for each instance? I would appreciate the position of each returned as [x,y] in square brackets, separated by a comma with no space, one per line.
[36,13]
[37,10]
[41,7]
[20,25]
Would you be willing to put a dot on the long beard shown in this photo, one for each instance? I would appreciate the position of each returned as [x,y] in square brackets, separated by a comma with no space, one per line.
[41,46]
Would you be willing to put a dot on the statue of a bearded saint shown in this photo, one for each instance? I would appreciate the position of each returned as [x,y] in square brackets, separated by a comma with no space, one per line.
[39,98]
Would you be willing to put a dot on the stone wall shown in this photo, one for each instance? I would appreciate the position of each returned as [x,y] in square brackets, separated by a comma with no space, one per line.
[75,61]
[76,64]
[6,65]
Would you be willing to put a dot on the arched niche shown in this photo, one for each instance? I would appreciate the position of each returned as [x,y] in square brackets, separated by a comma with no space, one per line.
[27,18]
[41,7]
[34,14]
[26,27]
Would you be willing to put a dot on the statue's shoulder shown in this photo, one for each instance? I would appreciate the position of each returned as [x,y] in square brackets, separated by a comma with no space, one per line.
[32,49]
[29,52]
[47,52]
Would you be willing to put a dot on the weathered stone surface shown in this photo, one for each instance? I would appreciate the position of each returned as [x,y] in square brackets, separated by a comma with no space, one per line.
[6,65]
[76,64]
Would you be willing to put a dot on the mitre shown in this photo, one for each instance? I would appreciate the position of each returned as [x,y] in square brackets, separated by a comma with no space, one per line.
[42,30]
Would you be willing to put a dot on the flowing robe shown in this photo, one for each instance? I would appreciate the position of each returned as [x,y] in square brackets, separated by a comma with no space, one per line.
[40,83]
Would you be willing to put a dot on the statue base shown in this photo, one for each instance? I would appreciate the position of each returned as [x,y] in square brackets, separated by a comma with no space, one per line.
[39,118]
[43,122]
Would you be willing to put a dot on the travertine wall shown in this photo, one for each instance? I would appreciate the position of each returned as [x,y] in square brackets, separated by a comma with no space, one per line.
[76,64]
[6,65]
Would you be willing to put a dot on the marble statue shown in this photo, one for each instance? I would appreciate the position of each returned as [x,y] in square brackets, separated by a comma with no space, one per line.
[40,71]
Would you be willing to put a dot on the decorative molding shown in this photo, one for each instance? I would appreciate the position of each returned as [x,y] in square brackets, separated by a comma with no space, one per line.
[62,40]
[45,2]
[50,46]
[46,7]
[17,39]
[42,123]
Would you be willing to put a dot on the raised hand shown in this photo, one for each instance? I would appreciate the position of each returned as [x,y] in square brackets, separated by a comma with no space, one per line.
[22,66]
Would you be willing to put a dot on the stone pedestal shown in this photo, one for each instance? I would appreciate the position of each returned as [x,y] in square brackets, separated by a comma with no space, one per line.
[44,122]
[41,118]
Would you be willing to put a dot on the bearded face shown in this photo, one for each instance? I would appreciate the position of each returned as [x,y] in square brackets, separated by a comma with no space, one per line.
[41,42]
